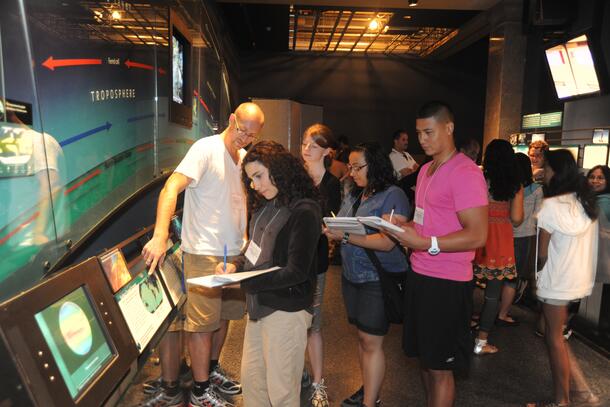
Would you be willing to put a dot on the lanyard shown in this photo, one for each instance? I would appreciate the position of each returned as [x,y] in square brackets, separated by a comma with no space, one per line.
[268,224]
[417,188]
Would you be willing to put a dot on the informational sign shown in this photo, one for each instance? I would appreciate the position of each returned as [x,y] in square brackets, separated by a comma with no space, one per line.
[145,306]
[600,136]
[541,120]
[537,137]
[171,271]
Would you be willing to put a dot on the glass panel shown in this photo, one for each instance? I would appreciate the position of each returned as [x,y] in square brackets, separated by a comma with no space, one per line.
[95,69]
[32,166]
[94,126]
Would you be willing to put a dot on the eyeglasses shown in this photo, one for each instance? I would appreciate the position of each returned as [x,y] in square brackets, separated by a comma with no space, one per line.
[243,133]
[355,168]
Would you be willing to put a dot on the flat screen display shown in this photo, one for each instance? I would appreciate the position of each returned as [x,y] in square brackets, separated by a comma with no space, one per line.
[115,268]
[572,68]
[76,339]
[177,69]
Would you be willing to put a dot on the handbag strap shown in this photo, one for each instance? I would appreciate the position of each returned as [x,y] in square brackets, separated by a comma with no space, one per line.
[375,260]
[369,252]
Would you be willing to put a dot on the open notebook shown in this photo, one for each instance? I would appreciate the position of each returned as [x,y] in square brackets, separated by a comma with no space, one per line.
[218,280]
[355,225]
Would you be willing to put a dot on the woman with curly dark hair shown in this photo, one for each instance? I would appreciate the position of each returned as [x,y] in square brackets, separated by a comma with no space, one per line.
[374,194]
[496,261]
[567,251]
[284,229]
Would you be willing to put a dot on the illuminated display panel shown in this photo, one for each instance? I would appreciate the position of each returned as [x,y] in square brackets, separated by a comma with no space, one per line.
[572,68]
[76,339]
[595,155]
[571,149]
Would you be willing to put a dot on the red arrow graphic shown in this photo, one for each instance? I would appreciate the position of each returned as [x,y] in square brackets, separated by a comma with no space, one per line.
[51,63]
[207,109]
[131,64]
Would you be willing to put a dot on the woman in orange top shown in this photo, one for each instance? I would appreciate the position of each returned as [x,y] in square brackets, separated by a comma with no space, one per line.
[496,261]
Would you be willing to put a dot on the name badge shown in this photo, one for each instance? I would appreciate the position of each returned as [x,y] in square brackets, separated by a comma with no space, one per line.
[418,216]
[253,252]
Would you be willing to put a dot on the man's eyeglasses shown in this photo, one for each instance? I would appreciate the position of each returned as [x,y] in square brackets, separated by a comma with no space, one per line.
[355,168]
[243,133]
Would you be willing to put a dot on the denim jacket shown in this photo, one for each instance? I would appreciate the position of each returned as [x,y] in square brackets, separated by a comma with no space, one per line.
[357,267]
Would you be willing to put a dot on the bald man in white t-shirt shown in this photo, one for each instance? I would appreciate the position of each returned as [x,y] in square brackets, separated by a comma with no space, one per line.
[214,217]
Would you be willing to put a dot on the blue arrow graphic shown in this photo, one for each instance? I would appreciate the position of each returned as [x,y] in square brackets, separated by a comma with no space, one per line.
[88,133]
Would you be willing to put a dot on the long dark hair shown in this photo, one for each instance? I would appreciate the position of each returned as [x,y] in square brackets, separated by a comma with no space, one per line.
[501,170]
[380,173]
[567,179]
[524,163]
[286,172]
[606,171]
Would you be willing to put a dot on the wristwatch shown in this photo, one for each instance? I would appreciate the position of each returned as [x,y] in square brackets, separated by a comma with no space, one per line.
[345,239]
[434,250]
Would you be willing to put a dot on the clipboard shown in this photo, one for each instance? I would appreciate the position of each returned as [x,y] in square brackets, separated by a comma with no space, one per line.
[219,280]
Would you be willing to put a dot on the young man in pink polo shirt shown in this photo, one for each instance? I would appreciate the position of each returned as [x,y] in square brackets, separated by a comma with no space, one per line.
[450,222]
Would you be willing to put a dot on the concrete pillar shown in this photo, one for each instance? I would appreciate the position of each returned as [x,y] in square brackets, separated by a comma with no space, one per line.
[505,71]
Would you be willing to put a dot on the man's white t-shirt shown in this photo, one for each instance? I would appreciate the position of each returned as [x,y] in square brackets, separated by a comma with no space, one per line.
[400,161]
[214,202]
[569,272]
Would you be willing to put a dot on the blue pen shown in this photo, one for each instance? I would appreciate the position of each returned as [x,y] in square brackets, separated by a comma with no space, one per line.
[225,259]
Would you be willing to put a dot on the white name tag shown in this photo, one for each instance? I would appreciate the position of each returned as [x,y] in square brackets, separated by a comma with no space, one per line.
[418,216]
[253,252]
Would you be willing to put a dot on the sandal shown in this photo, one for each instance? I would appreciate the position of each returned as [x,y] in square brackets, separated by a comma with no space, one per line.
[485,349]
[507,322]
[584,398]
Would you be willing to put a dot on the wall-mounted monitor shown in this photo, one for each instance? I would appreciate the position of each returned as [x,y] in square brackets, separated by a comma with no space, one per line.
[68,338]
[573,68]
[180,101]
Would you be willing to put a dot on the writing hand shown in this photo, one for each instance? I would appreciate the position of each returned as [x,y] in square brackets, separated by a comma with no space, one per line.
[221,270]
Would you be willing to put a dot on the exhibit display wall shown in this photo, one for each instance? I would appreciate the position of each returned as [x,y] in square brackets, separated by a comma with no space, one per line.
[86,117]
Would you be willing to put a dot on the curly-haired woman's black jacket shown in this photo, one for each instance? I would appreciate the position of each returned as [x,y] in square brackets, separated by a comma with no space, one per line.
[291,288]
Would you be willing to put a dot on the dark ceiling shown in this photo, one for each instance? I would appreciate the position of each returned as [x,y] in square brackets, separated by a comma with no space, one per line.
[267,27]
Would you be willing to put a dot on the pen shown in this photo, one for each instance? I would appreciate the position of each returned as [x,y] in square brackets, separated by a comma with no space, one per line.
[225,259]
[332,213]
[391,214]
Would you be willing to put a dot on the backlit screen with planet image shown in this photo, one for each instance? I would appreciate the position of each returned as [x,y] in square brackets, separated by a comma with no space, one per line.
[74,335]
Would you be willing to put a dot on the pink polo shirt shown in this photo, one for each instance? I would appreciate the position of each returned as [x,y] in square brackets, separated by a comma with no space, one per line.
[455,186]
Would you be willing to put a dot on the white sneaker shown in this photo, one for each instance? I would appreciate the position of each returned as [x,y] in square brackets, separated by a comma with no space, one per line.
[319,398]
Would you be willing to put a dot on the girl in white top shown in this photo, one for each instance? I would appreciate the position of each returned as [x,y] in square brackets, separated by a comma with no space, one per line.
[567,248]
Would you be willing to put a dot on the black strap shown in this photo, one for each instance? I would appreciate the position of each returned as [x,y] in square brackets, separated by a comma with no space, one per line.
[375,260]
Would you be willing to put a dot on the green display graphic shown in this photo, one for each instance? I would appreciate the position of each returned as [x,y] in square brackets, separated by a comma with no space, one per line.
[75,337]
[151,293]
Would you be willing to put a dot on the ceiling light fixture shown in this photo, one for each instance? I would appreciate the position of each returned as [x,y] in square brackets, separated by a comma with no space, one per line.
[374,25]
[412,3]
